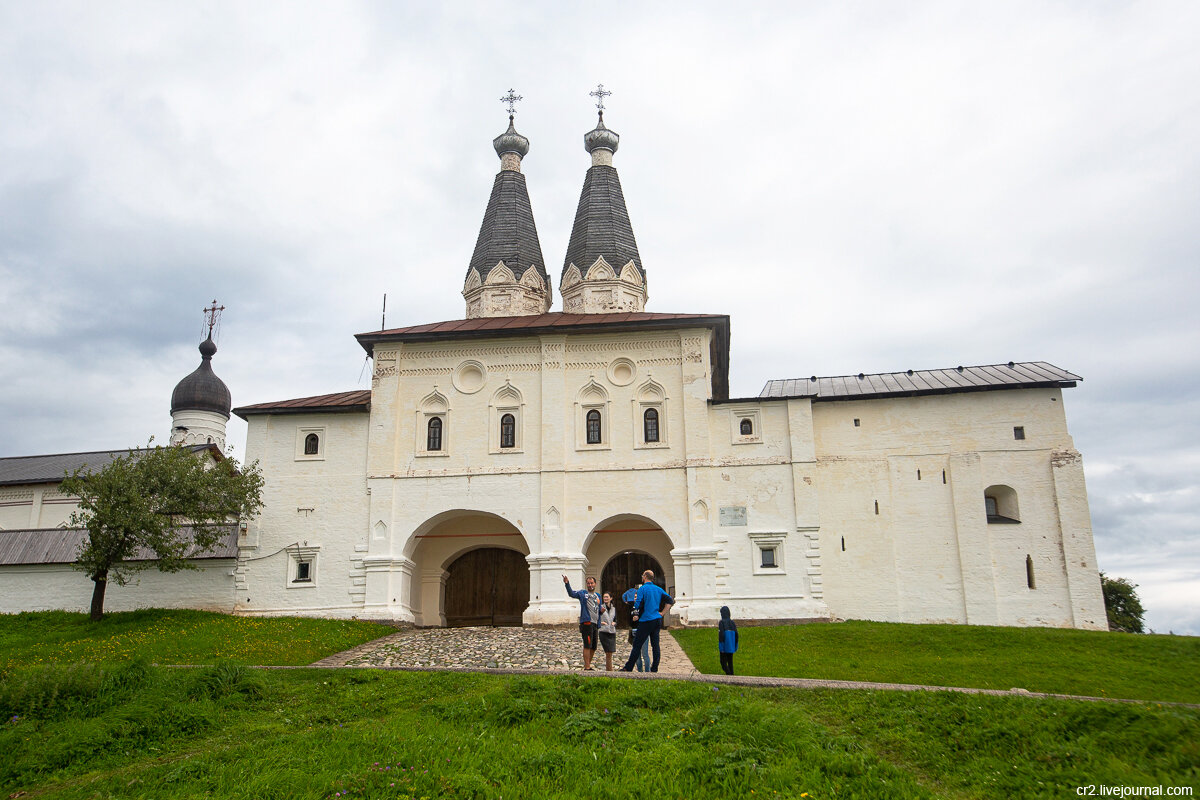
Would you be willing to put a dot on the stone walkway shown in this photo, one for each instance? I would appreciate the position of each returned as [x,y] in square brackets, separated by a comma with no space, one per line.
[557,648]
[526,651]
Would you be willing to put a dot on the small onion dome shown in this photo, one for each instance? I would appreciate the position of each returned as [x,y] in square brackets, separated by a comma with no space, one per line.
[510,141]
[202,390]
[600,138]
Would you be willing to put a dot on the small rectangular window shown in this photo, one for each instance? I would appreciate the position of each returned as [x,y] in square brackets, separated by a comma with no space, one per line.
[768,557]
[1019,432]
[303,571]
[856,423]
[876,512]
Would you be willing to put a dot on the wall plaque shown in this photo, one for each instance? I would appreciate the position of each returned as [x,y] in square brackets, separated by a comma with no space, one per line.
[733,515]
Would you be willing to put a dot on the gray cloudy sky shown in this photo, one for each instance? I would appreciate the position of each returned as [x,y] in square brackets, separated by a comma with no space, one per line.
[861,186]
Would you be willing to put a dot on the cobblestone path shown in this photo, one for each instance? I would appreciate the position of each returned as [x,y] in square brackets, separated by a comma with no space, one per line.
[557,648]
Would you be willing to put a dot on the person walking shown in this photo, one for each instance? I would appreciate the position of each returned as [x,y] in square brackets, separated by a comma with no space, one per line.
[608,630]
[643,659]
[727,640]
[589,617]
[652,603]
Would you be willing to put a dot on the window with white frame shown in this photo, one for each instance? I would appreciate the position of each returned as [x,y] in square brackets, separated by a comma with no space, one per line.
[432,434]
[768,551]
[591,418]
[301,566]
[310,444]
[745,425]
[650,416]
[504,420]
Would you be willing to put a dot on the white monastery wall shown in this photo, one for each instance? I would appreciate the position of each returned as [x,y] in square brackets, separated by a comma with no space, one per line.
[314,511]
[45,587]
[926,552]
[881,519]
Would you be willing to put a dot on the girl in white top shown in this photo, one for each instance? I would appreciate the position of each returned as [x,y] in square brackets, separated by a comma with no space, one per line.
[608,629]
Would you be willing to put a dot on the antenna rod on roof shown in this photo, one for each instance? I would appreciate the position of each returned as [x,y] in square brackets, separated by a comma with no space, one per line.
[383,319]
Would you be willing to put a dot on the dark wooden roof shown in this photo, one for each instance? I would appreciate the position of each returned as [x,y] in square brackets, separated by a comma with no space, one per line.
[53,468]
[508,232]
[60,546]
[602,226]
[1013,375]
[357,400]
[558,322]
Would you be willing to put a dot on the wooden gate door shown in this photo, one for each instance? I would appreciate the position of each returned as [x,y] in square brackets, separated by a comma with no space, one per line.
[624,572]
[487,587]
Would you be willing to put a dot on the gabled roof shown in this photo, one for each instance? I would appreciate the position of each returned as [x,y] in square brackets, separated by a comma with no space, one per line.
[60,546]
[53,468]
[508,232]
[559,322]
[356,400]
[1013,375]
[602,226]
[554,321]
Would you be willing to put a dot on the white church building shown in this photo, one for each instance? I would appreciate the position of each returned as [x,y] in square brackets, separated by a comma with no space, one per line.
[495,453]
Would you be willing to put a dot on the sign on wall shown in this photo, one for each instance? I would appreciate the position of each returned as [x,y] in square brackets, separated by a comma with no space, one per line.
[733,515]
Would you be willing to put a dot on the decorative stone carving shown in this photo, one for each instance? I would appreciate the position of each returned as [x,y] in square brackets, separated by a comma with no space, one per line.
[502,294]
[602,290]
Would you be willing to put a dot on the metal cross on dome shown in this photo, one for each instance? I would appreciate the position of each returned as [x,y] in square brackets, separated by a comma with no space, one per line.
[213,314]
[600,94]
[511,98]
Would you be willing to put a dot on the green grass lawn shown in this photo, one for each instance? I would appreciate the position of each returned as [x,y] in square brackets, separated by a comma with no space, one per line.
[1094,663]
[225,731]
[84,715]
[175,637]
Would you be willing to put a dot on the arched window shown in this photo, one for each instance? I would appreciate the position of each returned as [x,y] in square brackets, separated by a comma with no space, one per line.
[508,431]
[1000,505]
[433,441]
[650,425]
[747,428]
[312,443]
[593,427]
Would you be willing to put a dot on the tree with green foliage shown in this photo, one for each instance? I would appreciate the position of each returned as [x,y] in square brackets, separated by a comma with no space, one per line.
[156,507]
[1122,604]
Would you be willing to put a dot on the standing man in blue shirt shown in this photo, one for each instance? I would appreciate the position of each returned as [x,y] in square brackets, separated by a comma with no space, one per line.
[589,616]
[651,603]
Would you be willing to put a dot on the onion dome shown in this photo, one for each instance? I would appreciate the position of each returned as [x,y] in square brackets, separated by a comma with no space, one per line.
[601,138]
[202,390]
[511,142]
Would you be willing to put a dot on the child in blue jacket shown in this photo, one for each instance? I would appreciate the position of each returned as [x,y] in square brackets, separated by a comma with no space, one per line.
[727,640]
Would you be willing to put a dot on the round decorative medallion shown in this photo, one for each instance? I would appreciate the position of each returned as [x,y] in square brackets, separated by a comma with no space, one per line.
[621,372]
[470,377]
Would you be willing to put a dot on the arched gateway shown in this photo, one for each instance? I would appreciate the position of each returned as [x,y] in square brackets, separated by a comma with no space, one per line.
[489,586]
[625,570]
[470,569]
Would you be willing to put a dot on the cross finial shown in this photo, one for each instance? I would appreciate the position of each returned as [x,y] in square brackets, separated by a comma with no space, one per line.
[511,98]
[213,314]
[600,94]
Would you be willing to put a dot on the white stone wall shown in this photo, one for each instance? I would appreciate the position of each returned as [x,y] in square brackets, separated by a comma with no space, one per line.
[853,531]
[929,554]
[315,509]
[44,587]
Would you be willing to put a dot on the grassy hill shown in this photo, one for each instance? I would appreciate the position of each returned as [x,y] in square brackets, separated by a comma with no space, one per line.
[116,727]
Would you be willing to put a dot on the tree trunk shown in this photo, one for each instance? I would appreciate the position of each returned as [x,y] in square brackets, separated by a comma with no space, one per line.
[101,583]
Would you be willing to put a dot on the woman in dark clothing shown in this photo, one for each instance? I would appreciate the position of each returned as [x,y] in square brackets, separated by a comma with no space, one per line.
[727,640]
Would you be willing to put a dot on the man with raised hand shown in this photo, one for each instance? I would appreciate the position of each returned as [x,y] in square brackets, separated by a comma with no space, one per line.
[652,601]
[589,617]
